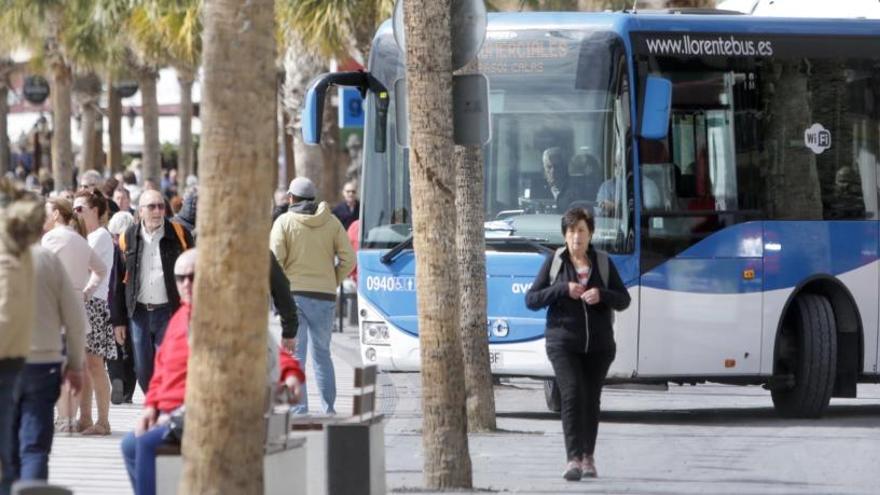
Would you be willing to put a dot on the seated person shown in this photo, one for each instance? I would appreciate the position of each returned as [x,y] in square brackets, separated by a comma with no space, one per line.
[168,385]
[846,201]
[606,197]
[583,183]
[555,175]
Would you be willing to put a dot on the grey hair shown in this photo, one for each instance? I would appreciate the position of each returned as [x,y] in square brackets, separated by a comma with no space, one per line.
[91,177]
[186,259]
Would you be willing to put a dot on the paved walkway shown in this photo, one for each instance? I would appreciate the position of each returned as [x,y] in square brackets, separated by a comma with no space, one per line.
[689,440]
[93,465]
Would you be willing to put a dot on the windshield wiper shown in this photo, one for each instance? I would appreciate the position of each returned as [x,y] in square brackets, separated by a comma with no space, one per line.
[533,242]
[392,253]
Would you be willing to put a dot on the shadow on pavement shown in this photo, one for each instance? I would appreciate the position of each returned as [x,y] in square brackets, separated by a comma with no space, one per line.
[857,416]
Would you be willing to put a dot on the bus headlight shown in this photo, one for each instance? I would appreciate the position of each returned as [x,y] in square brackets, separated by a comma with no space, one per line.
[375,333]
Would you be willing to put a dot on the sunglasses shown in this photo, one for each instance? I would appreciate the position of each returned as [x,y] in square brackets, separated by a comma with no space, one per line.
[189,276]
[154,206]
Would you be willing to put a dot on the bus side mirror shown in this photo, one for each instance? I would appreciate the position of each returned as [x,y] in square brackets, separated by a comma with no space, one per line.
[656,108]
[313,107]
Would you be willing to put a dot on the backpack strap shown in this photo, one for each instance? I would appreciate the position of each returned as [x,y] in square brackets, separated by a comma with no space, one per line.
[556,264]
[602,261]
[181,236]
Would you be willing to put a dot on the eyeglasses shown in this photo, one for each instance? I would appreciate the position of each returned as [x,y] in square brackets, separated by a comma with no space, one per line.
[188,276]
[78,209]
[154,206]
[349,191]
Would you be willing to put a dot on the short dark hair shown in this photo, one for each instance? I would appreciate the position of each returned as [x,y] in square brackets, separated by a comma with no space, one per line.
[575,215]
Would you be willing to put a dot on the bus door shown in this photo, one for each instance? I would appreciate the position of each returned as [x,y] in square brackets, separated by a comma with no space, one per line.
[701,258]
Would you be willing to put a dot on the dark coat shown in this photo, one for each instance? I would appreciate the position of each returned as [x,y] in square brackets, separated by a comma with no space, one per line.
[279,286]
[169,249]
[566,317]
[345,215]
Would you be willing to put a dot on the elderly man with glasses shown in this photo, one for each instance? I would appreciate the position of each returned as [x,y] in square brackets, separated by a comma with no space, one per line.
[350,208]
[148,295]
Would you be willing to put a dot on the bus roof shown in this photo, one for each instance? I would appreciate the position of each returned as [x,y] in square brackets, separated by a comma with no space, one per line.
[626,22]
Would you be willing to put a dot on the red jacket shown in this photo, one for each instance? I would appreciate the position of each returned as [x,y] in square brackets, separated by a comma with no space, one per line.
[168,385]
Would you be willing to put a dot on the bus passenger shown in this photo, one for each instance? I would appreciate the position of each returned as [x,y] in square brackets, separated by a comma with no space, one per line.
[580,296]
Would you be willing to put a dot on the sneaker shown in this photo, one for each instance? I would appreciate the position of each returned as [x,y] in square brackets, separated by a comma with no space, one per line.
[116,391]
[572,471]
[588,467]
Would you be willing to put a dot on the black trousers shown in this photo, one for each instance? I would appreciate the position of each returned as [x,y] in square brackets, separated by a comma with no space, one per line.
[122,368]
[579,377]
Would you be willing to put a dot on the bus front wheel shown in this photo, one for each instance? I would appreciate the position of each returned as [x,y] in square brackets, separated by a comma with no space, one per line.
[806,350]
[551,395]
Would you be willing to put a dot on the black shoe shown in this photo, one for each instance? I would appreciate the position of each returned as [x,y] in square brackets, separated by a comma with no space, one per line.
[116,392]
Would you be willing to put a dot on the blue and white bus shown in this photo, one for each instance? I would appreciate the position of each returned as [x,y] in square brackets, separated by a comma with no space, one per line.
[738,158]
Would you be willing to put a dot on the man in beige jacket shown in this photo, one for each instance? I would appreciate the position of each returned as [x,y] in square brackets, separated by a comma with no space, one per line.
[314,251]
[21,222]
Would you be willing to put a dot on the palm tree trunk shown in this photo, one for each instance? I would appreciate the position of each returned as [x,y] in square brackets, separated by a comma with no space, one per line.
[62,152]
[114,129]
[89,153]
[300,66]
[4,128]
[471,246]
[185,152]
[289,158]
[447,463]
[223,439]
[152,166]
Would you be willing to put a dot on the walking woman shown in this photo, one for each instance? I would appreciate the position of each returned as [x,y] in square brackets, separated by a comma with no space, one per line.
[91,207]
[581,288]
[85,270]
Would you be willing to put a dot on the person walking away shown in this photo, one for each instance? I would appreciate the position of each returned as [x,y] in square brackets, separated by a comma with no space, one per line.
[168,384]
[150,298]
[121,370]
[21,219]
[581,288]
[84,268]
[349,209]
[312,247]
[59,306]
[91,207]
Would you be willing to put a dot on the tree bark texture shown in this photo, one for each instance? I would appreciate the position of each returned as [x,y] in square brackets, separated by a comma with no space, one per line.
[471,248]
[300,67]
[88,153]
[62,150]
[114,129]
[151,161]
[447,462]
[4,128]
[226,384]
[185,153]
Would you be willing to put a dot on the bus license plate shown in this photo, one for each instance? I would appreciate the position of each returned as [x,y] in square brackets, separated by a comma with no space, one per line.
[496,359]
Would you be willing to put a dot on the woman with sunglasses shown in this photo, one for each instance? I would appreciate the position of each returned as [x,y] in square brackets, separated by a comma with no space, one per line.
[91,208]
[63,237]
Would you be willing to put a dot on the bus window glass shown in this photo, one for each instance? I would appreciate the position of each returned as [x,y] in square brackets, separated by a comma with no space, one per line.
[787,138]
[558,135]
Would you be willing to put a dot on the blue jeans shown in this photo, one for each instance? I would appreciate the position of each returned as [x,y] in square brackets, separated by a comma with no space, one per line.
[8,380]
[139,454]
[315,327]
[147,332]
[38,389]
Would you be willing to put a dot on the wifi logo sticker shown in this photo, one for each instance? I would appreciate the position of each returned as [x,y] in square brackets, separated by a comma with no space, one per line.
[817,138]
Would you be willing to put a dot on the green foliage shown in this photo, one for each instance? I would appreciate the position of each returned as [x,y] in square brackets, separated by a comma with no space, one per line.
[331,26]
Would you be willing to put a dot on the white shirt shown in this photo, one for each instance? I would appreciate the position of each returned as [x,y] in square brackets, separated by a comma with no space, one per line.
[77,257]
[102,244]
[151,276]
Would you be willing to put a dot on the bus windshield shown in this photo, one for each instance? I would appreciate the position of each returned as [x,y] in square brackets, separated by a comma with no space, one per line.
[558,104]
